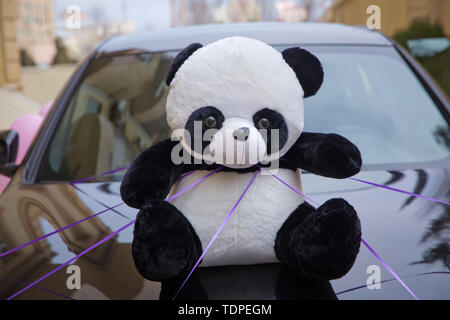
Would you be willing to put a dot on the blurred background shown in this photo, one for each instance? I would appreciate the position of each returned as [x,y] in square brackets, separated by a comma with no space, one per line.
[41,41]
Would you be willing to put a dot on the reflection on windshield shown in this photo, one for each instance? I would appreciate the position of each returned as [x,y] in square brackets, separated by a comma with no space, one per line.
[369,96]
[372,97]
[117,112]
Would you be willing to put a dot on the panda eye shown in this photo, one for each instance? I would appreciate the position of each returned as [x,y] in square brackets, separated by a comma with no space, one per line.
[263,123]
[211,122]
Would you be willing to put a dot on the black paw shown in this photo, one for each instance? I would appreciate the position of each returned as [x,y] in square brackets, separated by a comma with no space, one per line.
[326,244]
[165,245]
[340,156]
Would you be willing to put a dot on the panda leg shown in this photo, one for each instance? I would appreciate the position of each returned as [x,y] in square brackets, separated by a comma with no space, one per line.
[165,245]
[320,243]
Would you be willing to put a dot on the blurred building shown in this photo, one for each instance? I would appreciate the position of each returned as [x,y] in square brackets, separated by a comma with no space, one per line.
[191,12]
[238,11]
[9,53]
[290,11]
[188,12]
[80,42]
[36,29]
[395,15]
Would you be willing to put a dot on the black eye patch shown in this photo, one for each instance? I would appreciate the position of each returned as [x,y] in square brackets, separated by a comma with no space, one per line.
[209,118]
[268,120]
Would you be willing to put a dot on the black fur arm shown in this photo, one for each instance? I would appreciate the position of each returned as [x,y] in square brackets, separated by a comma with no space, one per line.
[328,155]
[150,176]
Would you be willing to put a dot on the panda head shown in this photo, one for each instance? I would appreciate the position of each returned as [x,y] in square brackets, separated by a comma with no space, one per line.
[239,99]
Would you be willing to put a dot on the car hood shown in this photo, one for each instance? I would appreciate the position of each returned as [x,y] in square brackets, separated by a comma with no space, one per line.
[410,234]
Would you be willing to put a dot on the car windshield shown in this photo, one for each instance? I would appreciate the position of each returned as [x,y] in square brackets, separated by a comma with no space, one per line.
[369,95]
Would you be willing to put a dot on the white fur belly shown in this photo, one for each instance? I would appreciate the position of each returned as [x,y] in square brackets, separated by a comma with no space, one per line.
[249,235]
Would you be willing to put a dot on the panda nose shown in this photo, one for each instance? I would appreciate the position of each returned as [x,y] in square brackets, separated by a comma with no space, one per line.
[241,134]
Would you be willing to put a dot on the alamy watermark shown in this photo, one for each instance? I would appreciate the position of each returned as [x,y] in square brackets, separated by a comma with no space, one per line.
[374,279]
[74,279]
[374,20]
[239,147]
[73,20]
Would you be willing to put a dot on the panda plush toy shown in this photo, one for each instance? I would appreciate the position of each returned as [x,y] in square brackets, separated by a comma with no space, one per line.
[238,87]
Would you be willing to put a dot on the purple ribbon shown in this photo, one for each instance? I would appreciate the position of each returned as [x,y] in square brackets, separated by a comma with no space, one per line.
[389,268]
[118,170]
[45,289]
[56,231]
[401,191]
[290,187]
[100,175]
[71,260]
[98,201]
[101,241]
[186,174]
[194,184]
[103,211]
[217,233]
[368,247]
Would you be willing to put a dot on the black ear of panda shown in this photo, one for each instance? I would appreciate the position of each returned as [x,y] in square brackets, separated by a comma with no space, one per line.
[180,58]
[307,68]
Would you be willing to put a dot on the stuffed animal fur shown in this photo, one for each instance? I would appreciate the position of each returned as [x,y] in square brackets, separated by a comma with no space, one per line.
[238,87]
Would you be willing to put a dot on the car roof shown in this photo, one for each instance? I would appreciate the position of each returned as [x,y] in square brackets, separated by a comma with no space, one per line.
[274,33]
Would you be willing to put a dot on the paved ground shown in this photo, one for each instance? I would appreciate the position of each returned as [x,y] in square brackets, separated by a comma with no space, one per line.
[14,104]
[39,87]
[42,85]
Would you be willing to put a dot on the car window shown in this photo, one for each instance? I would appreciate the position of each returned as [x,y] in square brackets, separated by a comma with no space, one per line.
[369,95]
[117,112]
[372,97]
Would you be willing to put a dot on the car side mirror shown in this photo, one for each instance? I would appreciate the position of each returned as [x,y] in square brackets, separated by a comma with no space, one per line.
[9,145]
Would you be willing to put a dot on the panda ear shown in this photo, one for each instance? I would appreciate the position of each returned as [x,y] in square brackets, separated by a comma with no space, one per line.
[180,58]
[307,68]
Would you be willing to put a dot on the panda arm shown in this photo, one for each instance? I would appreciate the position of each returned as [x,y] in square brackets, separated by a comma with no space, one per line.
[150,176]
[165,244]
[328,155]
